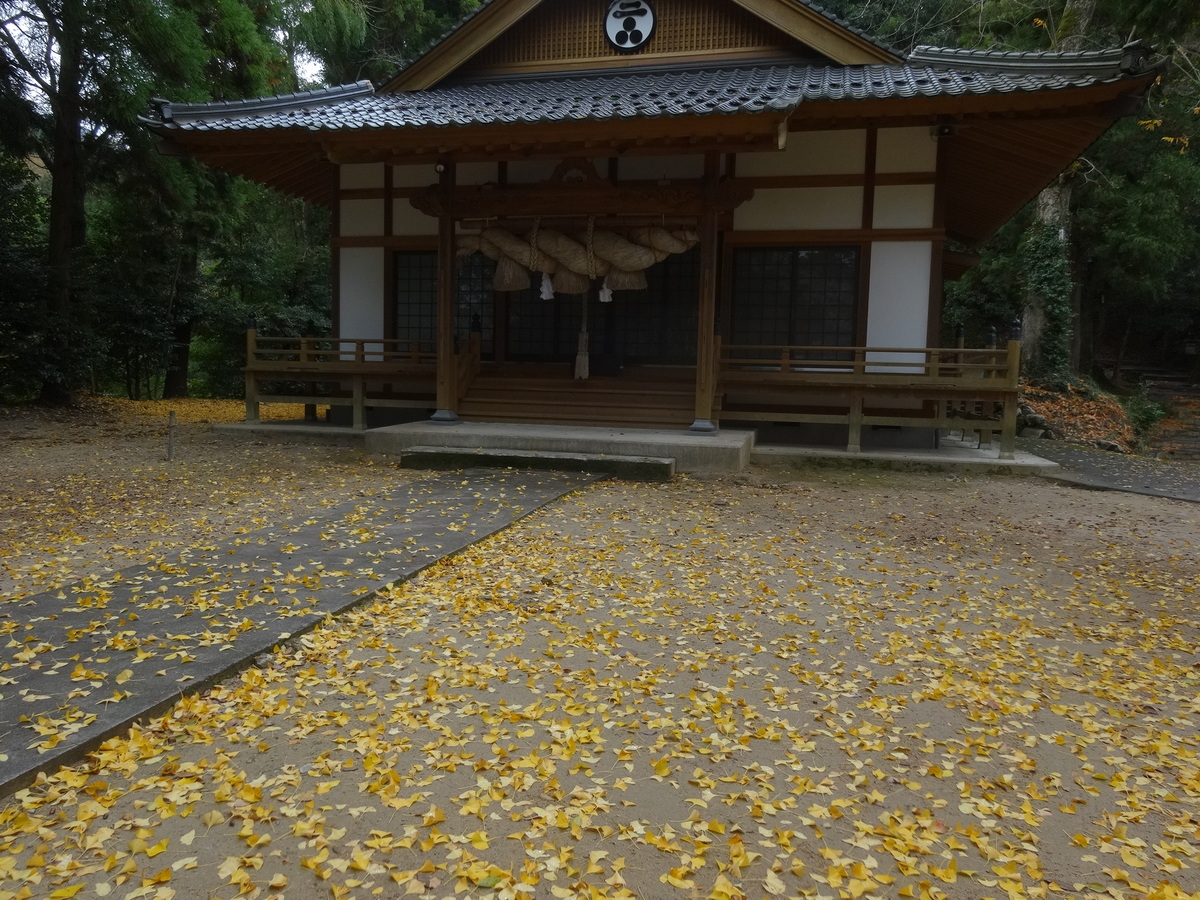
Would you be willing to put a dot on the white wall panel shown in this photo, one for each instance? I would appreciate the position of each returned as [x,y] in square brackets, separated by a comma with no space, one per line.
[408,221]
[530,171]
[906,150]
[899,305]
[361,292]
[659,168]
[361,175]
[476,173]
[414,176]
[785,209]
[904,206]
[533,171]
[362,218]
[810,153]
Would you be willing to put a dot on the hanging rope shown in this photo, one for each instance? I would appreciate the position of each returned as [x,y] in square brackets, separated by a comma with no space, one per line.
[581,351]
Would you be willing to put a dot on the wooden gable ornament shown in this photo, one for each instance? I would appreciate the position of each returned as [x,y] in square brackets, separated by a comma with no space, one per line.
[527,37]
[629,24]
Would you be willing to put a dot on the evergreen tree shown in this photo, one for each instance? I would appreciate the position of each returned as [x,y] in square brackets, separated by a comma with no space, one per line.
[353,39]
[73,76]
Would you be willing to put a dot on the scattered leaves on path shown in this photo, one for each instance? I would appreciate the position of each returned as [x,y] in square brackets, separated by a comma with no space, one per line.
[844,687]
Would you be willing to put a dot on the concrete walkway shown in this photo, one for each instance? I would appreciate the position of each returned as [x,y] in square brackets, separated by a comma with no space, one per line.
[84,663]
[1105,471]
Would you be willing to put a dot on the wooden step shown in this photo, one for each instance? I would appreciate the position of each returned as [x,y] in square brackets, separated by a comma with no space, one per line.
[631,468]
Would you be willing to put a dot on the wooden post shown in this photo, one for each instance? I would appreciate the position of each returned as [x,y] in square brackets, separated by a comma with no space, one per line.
[251,377]
[706,318]
[360,406]
[171,435]
[447,363]
[854,438]
[1008,428]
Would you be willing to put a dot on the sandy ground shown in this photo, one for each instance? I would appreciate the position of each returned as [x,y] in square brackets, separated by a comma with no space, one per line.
[821,682]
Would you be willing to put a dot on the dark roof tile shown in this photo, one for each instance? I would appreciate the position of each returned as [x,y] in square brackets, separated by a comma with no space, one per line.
[647,95]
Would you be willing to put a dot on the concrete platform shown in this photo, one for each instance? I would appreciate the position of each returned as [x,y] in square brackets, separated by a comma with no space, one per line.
[951,454]
[727,450]
[723,451]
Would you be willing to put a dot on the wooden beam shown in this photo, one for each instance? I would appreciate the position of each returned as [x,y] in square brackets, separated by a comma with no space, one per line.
[596,198]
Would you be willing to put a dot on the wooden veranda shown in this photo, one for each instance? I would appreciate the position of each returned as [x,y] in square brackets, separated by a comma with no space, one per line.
[856,387]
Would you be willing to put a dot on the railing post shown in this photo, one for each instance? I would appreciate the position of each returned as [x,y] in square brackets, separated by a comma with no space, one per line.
[855,421]
[360,406]
[252,414]
[1008,428]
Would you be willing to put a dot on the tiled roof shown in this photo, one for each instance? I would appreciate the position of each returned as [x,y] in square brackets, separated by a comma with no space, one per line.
[645,95]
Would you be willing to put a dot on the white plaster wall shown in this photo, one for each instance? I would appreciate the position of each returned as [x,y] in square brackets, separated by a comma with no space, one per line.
[361,292]
[361,175]
[899,306]
[408,221]
[361,218]
[414,176]
[904,206]
[476,173]
[804,209]
[810,153]
[532,171]
[906,150]
[659,168]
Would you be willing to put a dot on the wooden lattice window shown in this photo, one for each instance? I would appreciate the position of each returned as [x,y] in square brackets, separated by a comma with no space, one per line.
[416,298]
[806,296]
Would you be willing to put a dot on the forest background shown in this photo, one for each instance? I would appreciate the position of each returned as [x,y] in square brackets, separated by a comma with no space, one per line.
[123,271]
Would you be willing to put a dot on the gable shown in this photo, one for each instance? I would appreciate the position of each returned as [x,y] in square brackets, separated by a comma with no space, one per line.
[514,37]
[559,37]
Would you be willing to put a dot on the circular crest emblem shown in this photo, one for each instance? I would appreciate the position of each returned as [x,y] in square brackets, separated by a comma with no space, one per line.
[629,24]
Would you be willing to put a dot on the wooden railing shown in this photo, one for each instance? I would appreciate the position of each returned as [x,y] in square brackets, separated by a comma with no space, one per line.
[974,389]
[354,372]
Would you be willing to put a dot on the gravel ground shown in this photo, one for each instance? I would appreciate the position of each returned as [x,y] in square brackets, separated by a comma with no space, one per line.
[793,682]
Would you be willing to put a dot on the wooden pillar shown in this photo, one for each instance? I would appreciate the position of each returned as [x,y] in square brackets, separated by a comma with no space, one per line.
[447,364]
[706,319]
[1008,428]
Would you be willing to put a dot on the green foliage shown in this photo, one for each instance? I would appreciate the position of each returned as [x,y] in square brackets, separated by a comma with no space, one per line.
[22,272]
[1046,275]
[272,264]
[989,296]
[1143,412]
[354,40]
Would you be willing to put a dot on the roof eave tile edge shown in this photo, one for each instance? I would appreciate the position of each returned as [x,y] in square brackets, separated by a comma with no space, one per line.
[1133,59]
[165,112]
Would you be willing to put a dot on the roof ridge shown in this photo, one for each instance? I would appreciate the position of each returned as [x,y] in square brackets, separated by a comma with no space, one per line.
[1131,59]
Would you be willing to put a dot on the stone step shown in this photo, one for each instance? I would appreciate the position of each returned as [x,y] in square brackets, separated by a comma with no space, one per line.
[630,468]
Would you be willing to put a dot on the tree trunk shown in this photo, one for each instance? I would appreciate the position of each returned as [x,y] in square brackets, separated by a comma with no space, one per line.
[1054,203]
[67,224]
[1074,25]
[175,381]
